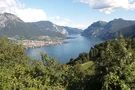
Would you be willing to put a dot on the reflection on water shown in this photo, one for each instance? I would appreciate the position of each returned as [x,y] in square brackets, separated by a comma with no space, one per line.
[64,52]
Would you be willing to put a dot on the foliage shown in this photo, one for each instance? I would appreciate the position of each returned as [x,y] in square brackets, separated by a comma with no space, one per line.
[88,64]
[107,66]
[115,64]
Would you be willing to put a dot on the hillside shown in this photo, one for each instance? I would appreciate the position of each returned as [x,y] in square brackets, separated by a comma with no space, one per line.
[114,26]
[128,32]
[11,25]
[94,29]
[50,29]
[71,30]
[107,30]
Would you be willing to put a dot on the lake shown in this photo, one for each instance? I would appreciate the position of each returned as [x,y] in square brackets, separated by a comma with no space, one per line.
[64,52]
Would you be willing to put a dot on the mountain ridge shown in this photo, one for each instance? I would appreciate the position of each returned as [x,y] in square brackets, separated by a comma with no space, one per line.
[72,30]
[107,30]
[11,25]
[94,28]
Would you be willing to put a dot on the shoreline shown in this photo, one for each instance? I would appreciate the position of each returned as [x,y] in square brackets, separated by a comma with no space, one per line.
[38,44]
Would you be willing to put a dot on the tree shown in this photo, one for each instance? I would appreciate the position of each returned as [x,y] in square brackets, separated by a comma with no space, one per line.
[47,61]
[11,53]
[117,68]
[71,59]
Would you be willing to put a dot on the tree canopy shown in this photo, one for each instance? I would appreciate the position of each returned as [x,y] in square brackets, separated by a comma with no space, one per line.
[108,66]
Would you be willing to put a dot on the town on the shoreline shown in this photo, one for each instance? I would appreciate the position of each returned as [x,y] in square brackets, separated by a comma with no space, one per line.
[27,43]
[36,43]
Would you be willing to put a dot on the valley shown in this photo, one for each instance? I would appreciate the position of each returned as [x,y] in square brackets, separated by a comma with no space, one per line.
[67,44]
[72,58]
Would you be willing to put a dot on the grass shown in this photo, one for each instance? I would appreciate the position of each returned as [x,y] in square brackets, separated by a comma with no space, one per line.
[87,65]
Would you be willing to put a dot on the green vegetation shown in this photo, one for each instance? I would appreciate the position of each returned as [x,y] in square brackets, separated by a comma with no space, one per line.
[108,66]
[87,65]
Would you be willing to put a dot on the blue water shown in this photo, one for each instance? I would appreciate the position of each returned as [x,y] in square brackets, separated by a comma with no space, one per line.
[64,52]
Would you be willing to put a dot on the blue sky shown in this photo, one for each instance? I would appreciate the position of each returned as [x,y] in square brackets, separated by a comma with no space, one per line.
[74,13]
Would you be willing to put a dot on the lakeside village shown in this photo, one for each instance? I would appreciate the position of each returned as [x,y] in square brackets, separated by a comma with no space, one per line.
[36,43]
[28,43]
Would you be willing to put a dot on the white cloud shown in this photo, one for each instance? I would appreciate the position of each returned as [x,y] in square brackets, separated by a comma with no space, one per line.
[109,6]
[31,15]
[17,8]
[67,22]
[60,21]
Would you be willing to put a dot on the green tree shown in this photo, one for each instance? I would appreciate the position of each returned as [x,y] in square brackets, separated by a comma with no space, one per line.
[116,69]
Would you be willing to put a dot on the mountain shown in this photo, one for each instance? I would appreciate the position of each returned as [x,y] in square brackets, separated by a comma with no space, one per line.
[71,30]
[128,32]
[94,29]
[108,29]
[50,29]
[11,25]
[114,26]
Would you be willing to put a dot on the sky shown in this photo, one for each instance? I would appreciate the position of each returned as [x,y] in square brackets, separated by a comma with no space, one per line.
[73,13]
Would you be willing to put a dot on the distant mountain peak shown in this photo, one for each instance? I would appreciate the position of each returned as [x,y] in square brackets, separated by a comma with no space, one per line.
[72,30]
[8,16]
[101,21]
[106,30]
[98,24]
[42,22]
[94,28]
[11,25]
[5,13]
[119,19]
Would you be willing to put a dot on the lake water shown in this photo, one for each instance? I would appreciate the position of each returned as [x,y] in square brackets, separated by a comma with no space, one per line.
[64,52]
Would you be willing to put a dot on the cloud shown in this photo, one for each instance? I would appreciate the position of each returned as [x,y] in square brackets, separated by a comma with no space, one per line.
[60,21]
[109,6]
[32,15]
[26,14]
[67,22]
